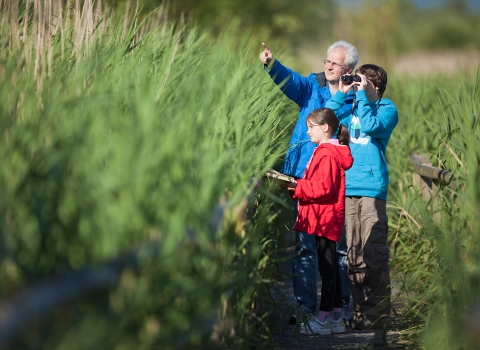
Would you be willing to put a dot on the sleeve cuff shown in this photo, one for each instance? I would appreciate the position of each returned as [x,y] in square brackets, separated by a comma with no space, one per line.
[269,67]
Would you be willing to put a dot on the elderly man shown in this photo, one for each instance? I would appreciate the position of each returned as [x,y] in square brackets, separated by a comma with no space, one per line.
[309,93]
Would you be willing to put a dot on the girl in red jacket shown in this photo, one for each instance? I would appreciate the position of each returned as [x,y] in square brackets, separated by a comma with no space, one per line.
[321,211]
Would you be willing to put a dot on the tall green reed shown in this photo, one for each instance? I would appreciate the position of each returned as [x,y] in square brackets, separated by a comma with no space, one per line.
[436,242]
[122,131]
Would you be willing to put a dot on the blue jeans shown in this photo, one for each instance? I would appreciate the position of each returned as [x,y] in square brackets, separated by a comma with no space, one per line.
[304,268]
[342,263]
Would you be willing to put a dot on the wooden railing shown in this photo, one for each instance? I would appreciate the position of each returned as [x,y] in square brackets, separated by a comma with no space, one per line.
[426,178]
[36,302]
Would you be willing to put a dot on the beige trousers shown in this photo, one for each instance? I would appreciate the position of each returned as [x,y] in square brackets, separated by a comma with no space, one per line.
[366,233]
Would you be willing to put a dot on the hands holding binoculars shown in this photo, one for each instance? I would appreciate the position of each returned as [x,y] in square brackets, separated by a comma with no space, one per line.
[347,81]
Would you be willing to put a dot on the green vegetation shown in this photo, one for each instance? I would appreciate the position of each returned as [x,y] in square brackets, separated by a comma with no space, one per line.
[130,134]
[119,136]
[381,29]
[384,31]
[435,243]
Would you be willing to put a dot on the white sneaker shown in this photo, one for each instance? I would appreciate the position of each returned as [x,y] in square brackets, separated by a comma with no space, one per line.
[314,326]
[337,327]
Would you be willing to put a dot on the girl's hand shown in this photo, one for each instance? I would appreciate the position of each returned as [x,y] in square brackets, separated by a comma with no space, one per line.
[290,186]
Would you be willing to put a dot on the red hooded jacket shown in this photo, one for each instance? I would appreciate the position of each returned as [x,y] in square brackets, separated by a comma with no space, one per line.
[321,191]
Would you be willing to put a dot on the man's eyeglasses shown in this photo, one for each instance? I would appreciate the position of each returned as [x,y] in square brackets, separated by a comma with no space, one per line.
[333,64]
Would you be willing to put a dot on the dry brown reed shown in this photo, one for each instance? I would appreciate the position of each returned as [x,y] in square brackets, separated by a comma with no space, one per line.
[44,29]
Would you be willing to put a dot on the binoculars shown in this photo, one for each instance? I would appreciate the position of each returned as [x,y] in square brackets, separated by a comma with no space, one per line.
[348,79]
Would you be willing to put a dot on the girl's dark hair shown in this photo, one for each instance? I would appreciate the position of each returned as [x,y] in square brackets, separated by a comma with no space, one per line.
[376,75]
[322,116]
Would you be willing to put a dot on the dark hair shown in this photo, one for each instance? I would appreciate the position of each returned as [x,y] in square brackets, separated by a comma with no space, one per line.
[376,75]
[322,116]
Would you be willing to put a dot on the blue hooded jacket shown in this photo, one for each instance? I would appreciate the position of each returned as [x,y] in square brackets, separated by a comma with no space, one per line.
[309,94]
[370,125]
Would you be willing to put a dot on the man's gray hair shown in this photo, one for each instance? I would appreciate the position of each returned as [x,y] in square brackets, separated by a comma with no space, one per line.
[351,54]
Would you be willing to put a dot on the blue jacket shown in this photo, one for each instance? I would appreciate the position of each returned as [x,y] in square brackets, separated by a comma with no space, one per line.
[309,95]
[370,126]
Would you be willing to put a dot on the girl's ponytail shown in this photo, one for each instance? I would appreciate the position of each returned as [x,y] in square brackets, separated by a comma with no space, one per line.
[343,135]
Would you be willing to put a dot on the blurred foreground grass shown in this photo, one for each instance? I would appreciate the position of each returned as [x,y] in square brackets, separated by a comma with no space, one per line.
[126,133]
[435,243]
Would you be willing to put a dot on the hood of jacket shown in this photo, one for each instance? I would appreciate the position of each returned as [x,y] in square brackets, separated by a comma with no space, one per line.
[342,153]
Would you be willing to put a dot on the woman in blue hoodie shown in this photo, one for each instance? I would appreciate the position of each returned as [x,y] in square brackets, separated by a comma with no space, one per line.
[370,122]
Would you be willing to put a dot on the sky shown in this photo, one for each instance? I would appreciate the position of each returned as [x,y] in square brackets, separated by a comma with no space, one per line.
[474,5]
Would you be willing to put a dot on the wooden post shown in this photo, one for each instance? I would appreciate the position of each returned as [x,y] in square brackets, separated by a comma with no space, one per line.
[425,177]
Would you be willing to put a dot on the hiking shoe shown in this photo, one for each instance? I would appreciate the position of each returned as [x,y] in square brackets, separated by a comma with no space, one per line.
[337,327]
[314,326]
[346,317]
[293,318]
[362,322]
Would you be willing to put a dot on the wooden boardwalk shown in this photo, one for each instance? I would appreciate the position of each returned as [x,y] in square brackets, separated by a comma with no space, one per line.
[284,337]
